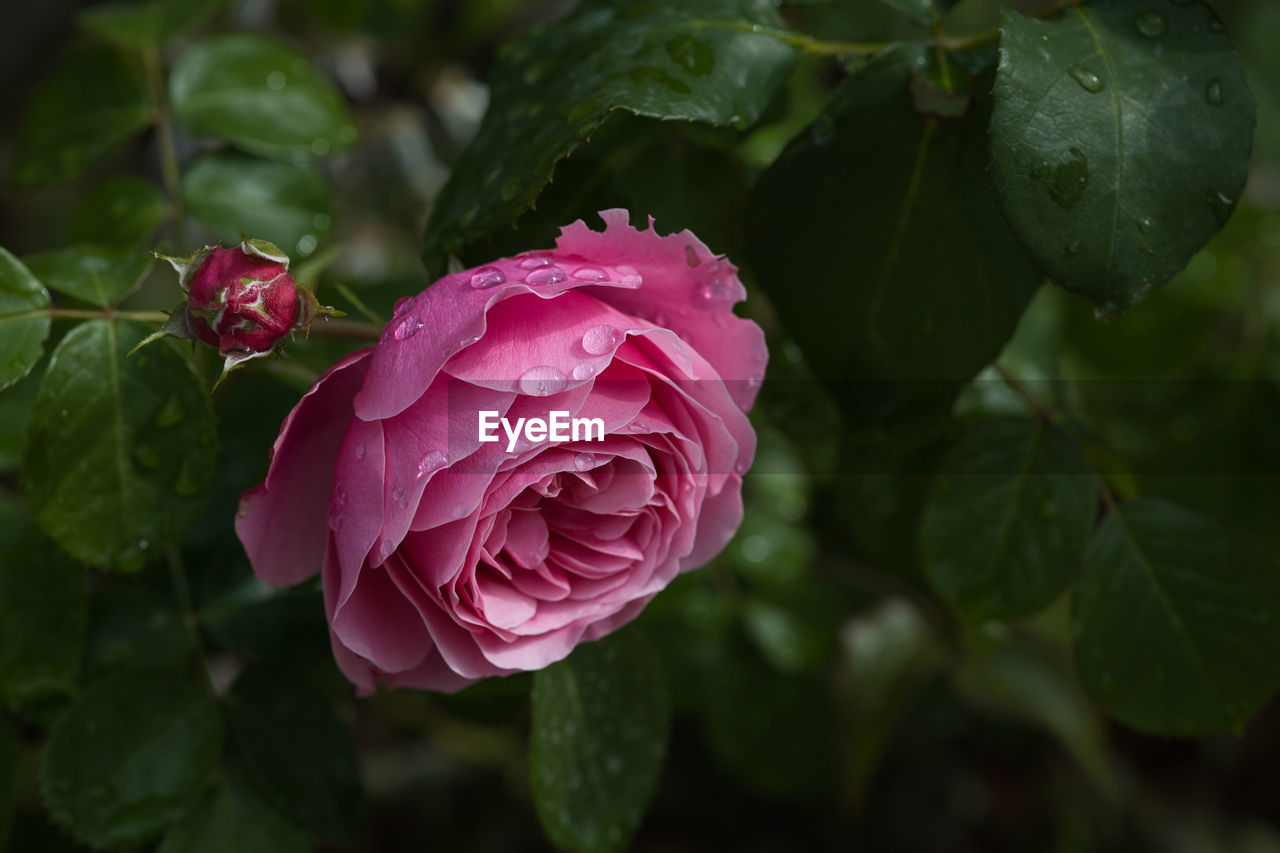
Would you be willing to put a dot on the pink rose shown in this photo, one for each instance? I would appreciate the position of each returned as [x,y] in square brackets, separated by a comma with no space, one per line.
[446,558]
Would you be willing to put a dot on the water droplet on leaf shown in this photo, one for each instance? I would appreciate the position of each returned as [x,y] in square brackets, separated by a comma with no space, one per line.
[1150,23]
[1088,79]
[1213,92]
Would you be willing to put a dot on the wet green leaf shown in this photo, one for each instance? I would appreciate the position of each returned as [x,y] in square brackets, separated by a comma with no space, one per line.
[1008,519]
[283,203]
[599,736]
[1177,620]
[44,610]
[288,747]
[147,25]
[555,86]
[119,212]
[94,274]
[119,449]
[258,95]
[1120,141]
[130,756]
[95,100]
[234,819]
[24,319]
[883,251]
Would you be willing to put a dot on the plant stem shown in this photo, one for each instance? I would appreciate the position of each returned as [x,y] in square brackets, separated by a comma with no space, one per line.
[178,575]
[168,151]
[106,314]
[1041,411]
[362,309]
[348,329]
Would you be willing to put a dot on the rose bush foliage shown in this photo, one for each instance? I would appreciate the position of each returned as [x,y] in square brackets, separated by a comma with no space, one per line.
[446,559]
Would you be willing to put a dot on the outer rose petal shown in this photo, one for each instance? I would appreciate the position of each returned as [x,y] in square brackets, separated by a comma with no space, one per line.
[282,521]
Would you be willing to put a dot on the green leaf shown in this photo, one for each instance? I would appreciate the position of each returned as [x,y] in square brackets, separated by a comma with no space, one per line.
[233,819]
[119,449]
[95,100]
[94,274]
[554,87]
[287,626]
[119,212]
[1177,621]
[130,756]
[288,746]
[1120,141]
[147,25]
[134,626]
[600,720]
[883,252]
[9,751]
[282,203]
[24,319]
[922,12]
[1008,519]
[260,96]
[44,611]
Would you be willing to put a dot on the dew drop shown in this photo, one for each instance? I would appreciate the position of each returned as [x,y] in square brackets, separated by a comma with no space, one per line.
[542,381]
[599,340]
[487,277]
[430,463]
[401,498]
[590,274]
[1088,79]
[1144,225]
[715,290]
[584,371]
[637,426]
[629,277]
[584,461]
[1220,204]
[402,305]
[407,328]
[1042,171]
[1150,23]
[545,275]
[1213,92]
[359,452]
[534,261]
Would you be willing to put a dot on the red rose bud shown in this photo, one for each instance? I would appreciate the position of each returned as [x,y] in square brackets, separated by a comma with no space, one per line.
[242,302]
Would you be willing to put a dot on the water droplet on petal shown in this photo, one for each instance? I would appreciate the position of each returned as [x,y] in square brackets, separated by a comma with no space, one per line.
[716,290]
[637,426]
[534,261]
[407,328]
[584,461]
[487,277]
[1088,79]
[401,498]
[545,275]
[691,256]
[402,305]
[629,277]
[1150,23]
[430,463]
[542,381]
[599,340]
[590,274]
[359,452]
[584,371]
[468,341]
[1213,92]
